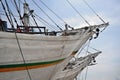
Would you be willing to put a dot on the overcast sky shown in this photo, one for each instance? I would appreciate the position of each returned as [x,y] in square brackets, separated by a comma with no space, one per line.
[108,63]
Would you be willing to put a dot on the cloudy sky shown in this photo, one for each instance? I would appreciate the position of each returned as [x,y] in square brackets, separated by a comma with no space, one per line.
[108,63]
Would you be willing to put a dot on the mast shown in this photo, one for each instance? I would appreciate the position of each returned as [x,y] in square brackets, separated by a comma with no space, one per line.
[26,15]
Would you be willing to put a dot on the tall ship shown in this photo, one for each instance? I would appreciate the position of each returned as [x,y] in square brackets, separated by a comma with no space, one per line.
[32,52]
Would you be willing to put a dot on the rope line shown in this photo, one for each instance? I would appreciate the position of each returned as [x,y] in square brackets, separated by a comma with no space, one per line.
[52,11]
[10,13]
[46,15]
[21,52]
[86,55]
[78,12]
[18,12]
[56,15]
[86,73]
[7,14]
[88,47]
[23,56]
[44,21]
[93,11]
[34,20]
[19,5]
[27,70]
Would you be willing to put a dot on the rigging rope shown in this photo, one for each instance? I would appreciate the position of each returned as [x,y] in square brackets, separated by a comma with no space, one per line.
[93,11]
[10,13]
[87,66]
[21,52]
[0,12]
[78,12]
[88,47]
[86,62]
[86,55]
[86,73]
[82,48]
[8,9]
[52,11]
[7,15]
[19,12]
[35,22]
[56,15]
[46,15]
[19,5]
[32,16]
[23,56]
[44,21]
[94,49]
[88,44]
[34,19]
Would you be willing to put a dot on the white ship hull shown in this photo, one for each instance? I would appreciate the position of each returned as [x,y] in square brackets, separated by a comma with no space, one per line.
[44,55]
[32,52]
[40,57]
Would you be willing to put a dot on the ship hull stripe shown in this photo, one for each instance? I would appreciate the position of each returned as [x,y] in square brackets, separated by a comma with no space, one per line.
[18,67]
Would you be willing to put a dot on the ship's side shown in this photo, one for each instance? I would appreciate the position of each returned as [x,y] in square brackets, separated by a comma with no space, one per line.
[29,52]
[41,54]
